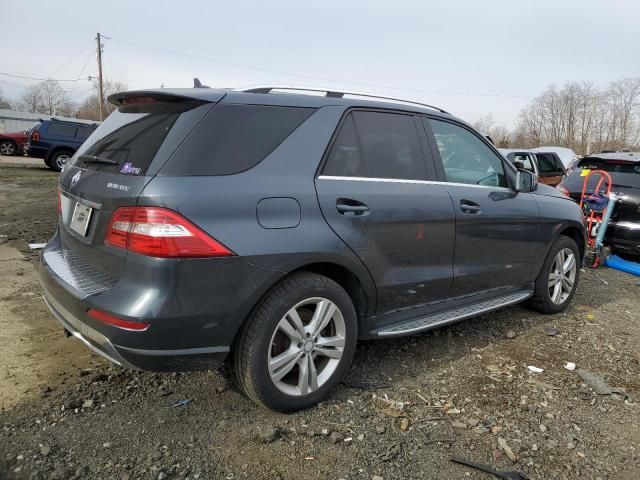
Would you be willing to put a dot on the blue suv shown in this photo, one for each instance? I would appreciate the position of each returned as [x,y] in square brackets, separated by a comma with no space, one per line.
[55,141]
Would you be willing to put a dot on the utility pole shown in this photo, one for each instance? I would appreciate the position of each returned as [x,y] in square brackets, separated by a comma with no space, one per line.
[101,91]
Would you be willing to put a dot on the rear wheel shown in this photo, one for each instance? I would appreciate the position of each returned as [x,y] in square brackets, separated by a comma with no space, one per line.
[7,147]
[57,160]
[558,278]
[298,344]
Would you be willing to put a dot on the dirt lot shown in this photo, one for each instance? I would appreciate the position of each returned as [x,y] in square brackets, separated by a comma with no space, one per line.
[466,390]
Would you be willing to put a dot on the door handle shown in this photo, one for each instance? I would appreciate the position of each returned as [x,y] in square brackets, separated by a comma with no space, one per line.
[467,206]
[352,208]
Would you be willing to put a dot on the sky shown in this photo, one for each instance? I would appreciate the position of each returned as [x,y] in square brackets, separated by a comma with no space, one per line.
[471,58]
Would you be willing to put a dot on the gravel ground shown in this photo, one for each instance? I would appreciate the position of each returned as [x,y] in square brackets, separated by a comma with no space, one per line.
[464,390]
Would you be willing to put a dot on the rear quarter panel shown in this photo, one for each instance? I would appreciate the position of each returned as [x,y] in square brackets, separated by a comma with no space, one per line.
[226,208]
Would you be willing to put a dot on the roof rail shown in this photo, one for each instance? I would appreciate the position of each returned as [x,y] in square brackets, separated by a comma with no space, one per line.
[330,93]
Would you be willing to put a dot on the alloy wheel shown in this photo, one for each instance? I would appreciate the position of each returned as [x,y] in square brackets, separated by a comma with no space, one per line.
[7,148]
[306,346]
[61,160]
[562,276]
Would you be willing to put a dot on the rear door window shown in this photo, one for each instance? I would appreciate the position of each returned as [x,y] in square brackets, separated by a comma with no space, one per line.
[62,129]
[345,158]
[390,145]
[466,158]
[84,132]
[377,145]
[234,138]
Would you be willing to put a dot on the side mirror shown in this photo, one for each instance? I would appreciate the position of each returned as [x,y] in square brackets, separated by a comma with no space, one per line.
[526,181]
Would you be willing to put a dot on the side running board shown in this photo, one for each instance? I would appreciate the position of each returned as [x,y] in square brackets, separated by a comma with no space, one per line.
[450,316]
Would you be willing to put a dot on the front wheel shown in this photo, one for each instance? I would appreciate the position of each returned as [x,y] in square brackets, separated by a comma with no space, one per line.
[298,344]
[558,278]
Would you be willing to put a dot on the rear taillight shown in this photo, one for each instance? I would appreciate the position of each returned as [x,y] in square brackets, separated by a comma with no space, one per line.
[35,136]
[564,191]
[160,232]
[109,319]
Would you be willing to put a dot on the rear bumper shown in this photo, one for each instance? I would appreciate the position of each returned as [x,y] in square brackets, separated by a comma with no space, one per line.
[36,152]
[135,358]
[91,338]
[189,329]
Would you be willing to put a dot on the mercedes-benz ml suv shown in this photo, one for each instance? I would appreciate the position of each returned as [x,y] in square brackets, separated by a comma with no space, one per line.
[275,230]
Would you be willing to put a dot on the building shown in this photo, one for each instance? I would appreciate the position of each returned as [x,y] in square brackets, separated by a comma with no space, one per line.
[14,121]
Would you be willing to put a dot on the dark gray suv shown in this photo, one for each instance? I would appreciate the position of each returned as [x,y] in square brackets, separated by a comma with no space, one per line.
[275,230]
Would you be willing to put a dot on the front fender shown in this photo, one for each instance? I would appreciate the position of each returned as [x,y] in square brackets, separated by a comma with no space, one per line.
[559,215]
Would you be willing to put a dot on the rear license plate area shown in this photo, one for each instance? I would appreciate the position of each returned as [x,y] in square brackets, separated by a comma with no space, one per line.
[80,219]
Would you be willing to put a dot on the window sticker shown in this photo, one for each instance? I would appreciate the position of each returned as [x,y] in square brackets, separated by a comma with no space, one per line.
[128,168]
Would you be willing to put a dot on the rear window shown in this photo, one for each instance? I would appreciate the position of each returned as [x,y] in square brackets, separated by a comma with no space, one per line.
[234,138]
[61,129]
[616,166]
[522,158]
[549,163]
[128,140]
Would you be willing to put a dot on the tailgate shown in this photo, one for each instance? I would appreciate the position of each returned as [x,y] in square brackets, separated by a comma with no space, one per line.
[87,201]
[111,169]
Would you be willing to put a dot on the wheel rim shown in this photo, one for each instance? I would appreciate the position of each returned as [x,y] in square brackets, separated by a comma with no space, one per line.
[6,148]
[61,160]
[306,346]
[562,276]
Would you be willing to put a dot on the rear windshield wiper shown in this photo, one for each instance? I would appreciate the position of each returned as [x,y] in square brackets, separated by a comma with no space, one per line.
[94,159]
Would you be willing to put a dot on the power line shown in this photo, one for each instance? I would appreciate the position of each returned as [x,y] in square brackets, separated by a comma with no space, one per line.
[73,92]
[73,58]
[85,62]
[84,92]
[19,85]
[308,77]
[41,79]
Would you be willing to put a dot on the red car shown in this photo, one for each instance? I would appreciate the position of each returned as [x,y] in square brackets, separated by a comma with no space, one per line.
[12,143]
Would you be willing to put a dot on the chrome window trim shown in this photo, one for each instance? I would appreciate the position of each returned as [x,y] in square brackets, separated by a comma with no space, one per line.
[400,180]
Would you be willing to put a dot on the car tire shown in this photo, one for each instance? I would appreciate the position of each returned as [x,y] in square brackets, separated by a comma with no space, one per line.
[57,160]
[276,369]
[558,278]
[7,147]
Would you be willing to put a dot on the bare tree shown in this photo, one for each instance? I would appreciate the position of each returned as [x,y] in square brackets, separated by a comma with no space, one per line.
[484,124]
[583,117]
[501,136]
[90,108]
[47,97]
[4,103]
